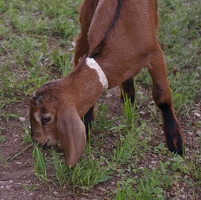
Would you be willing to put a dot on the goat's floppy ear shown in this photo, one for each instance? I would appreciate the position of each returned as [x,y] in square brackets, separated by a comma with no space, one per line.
[71,133]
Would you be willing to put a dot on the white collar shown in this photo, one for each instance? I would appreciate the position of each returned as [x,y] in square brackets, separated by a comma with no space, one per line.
[94,65]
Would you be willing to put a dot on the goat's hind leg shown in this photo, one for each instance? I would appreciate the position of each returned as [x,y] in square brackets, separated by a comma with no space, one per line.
[162,97]
[86,15]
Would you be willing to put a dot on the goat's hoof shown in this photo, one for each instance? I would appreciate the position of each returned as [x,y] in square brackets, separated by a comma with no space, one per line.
[177,146]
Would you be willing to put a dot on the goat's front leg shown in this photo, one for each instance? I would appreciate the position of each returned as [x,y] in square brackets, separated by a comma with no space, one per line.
[163,99]
[128,90]
[88,118]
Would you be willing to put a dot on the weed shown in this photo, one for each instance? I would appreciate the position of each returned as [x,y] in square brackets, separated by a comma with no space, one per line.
[86,174]
[60,169]
[39,163]
[63,62]
[126,146]
[149,186]
[160,149]
[125,189]
[197,172]
[2,139]
[102,123]
[130,111]
[30,187]
[178,164]
[27,136]
[8,116]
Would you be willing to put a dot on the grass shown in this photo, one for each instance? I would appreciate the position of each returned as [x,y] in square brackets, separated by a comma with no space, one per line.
[150,185]
[39,163]
[86,174]
[36,45]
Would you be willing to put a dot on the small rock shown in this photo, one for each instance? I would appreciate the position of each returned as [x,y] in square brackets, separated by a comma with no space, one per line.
[101,189]
[18,163]
[194,111]
[8,187]
[197,115]
[152,103]
[140,92]
[153,162]
[198,133]
[141,138]
[36,13]
[108,95]
[73,44]
[22,119]
[190,133]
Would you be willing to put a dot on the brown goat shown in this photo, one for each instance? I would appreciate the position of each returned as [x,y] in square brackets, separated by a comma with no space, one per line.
[117,39]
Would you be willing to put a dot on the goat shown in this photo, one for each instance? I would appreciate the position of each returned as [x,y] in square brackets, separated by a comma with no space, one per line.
[117,39]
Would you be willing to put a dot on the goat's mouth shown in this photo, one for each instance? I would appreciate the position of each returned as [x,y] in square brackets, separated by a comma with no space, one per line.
[49,143]
[46,143]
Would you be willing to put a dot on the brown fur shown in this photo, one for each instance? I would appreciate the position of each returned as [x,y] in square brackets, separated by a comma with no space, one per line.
[121,36]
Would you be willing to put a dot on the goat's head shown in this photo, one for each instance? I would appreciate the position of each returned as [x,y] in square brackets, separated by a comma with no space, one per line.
[54,117]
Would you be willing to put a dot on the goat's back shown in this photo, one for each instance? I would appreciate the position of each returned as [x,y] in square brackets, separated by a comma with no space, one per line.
[123,24]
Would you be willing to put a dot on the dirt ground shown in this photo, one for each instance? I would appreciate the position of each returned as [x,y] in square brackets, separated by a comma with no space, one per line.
[17,178]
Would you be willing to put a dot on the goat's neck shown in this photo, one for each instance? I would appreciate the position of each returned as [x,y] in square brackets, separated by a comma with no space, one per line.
[84,85]
[118,68]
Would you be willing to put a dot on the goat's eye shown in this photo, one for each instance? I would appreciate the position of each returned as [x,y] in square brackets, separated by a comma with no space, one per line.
[45,120]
